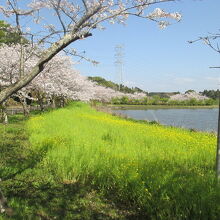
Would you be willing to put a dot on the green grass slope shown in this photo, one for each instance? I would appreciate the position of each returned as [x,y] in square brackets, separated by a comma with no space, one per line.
[84,164]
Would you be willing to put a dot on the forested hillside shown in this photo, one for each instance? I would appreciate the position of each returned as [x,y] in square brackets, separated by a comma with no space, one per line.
[103,82]
[213,94]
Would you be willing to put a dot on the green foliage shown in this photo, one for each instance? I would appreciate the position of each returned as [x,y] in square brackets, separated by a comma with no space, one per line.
[8,36]
[210,102]
[189,91]
[109,84]
[163,94]
[213,94]
[193,102]
[101,81]
[157,100]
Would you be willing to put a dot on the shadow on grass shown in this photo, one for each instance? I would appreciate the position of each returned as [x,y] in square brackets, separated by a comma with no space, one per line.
[34,196]
[15,150]
[33,193]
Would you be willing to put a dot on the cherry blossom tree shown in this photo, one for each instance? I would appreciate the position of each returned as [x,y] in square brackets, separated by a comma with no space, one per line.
[73,21]
[11,69]
[50,82]
[58,79]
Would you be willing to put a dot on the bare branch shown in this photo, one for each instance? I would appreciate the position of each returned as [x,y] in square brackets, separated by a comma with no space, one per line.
[82,57]
[57,10]
[85,5]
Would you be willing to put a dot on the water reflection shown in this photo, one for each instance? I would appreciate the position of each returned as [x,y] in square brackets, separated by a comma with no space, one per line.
[199,119]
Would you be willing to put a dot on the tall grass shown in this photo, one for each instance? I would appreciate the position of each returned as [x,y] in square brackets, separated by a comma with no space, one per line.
[161,172]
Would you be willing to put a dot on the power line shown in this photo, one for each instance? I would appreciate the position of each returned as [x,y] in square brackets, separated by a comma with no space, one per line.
[119,63]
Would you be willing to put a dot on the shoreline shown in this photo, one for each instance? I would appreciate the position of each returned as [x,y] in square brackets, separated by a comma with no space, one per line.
[141,107]
[108,110]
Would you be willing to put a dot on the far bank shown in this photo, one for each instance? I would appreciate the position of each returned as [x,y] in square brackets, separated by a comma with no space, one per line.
[161,106]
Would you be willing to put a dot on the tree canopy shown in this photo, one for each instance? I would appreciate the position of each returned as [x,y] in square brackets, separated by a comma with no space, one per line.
[8,35]
[73,21]
[109,84]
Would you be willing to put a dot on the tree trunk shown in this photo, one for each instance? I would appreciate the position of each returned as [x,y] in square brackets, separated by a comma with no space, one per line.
[41,105]
[26,108]
[53,102]
[4,115]
[218,147]
[40,101]
[39,67]
[62,102]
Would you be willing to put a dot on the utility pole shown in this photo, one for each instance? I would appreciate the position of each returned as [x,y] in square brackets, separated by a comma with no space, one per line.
[119,63]
[218,144]
[218,140]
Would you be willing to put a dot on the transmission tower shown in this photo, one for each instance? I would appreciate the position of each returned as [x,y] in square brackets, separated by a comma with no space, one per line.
[119,63]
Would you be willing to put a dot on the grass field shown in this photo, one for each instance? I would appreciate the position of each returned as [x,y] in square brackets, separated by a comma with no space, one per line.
[77,163]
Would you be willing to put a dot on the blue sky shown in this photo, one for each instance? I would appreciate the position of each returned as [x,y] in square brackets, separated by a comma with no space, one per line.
[159,60]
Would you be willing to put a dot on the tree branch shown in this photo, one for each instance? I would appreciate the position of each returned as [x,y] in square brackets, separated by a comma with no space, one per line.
[48,55]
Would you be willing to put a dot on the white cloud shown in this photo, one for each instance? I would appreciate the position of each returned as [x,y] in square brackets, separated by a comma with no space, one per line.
[215,79]
[182,80]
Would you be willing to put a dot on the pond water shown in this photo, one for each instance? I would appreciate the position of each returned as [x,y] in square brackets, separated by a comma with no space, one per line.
[199,119]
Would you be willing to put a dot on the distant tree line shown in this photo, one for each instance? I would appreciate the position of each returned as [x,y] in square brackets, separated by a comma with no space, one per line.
[213,94]
[162,94]
[157,100]
[118,87]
